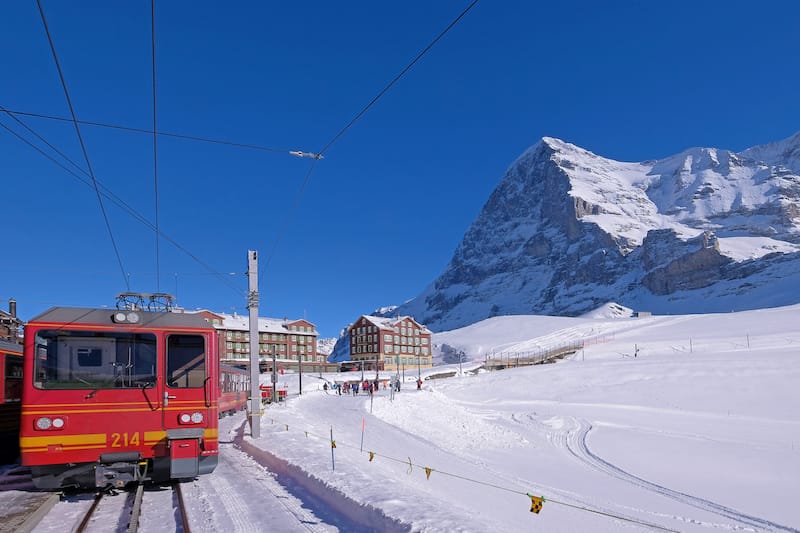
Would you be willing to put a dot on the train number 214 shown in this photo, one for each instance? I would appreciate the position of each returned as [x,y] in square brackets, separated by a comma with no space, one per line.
[124,439]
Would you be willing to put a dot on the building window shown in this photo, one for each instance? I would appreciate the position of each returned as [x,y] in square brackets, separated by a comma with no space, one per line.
[425,350]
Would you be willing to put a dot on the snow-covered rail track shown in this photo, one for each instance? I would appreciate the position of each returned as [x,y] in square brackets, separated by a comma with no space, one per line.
[29,509]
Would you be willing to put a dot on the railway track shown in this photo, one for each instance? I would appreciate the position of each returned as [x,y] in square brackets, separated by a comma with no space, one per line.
[147,509]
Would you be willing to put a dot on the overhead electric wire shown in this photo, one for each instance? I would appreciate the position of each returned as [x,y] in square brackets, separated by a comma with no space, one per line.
[397,78]
[83,145]
[319,154]
[286,220]
[155,137]
[110,195]
[152,132]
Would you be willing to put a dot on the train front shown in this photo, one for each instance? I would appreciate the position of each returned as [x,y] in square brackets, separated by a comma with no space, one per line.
[114,397]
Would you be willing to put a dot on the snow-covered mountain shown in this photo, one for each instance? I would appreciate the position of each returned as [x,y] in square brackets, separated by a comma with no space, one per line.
[566,231]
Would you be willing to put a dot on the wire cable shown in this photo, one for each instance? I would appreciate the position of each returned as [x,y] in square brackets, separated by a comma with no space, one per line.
[155,137]
[411,465]
[159,133]
[106,192]
[83,145]
[287,219]
[319,154]
[397,78]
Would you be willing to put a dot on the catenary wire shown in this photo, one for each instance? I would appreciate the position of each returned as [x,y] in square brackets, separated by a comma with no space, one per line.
[355,119]
[83,145]
[113,197]
[151,132]
[155,137]
[397,78]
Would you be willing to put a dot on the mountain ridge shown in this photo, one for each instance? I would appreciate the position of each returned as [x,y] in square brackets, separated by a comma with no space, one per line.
[567,230]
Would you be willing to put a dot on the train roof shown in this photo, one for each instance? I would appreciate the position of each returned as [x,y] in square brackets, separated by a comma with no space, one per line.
[163,319]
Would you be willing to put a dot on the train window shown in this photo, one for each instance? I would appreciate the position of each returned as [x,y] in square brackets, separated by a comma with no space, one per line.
[13,379]
[94,359]
[186,361]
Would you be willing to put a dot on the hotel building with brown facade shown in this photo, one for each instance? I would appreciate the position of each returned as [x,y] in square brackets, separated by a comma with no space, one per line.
[391,343]
[294,342]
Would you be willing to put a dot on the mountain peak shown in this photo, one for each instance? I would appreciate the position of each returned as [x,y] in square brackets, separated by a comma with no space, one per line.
[567,230]
[785,152]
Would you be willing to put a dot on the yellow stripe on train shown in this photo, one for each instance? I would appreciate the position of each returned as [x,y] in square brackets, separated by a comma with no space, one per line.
[64,440]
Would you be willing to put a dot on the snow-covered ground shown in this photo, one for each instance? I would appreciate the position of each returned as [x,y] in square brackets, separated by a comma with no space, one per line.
[687,423]
[680,423]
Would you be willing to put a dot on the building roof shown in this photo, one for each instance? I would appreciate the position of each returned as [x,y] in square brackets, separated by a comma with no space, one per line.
[390,322]
[265,325]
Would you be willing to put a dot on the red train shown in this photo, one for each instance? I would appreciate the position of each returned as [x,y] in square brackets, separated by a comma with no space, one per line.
[10,400]
[234,387]
[113,397]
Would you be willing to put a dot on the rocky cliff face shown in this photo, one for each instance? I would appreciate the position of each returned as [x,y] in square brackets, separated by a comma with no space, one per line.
[566,231]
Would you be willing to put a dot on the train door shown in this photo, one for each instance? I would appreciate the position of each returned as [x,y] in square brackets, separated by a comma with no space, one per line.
[187,400]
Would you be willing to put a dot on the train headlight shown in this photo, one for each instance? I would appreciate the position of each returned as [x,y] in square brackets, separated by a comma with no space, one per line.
[193,418]
[125,317]
[46,423]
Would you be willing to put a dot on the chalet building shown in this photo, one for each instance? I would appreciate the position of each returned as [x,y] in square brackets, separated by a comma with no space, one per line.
[10,325]
[390,343]
[294,342]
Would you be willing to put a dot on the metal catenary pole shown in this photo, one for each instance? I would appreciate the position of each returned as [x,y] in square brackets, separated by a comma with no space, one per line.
[252,306]
[274,375]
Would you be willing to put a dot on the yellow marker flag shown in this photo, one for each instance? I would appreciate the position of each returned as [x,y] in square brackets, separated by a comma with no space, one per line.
[333,444]
[428,471]
[371,456]
[536,503]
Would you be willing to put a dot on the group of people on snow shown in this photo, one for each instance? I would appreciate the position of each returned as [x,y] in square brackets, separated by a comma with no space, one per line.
[369,387]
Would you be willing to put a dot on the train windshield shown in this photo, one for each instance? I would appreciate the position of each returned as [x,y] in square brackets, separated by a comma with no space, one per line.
[94,359]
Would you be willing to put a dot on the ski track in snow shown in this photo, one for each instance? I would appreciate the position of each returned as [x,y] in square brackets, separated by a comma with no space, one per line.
[574,439]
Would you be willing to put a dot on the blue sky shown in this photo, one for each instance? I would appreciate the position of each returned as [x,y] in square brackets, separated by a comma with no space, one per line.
[382,214]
